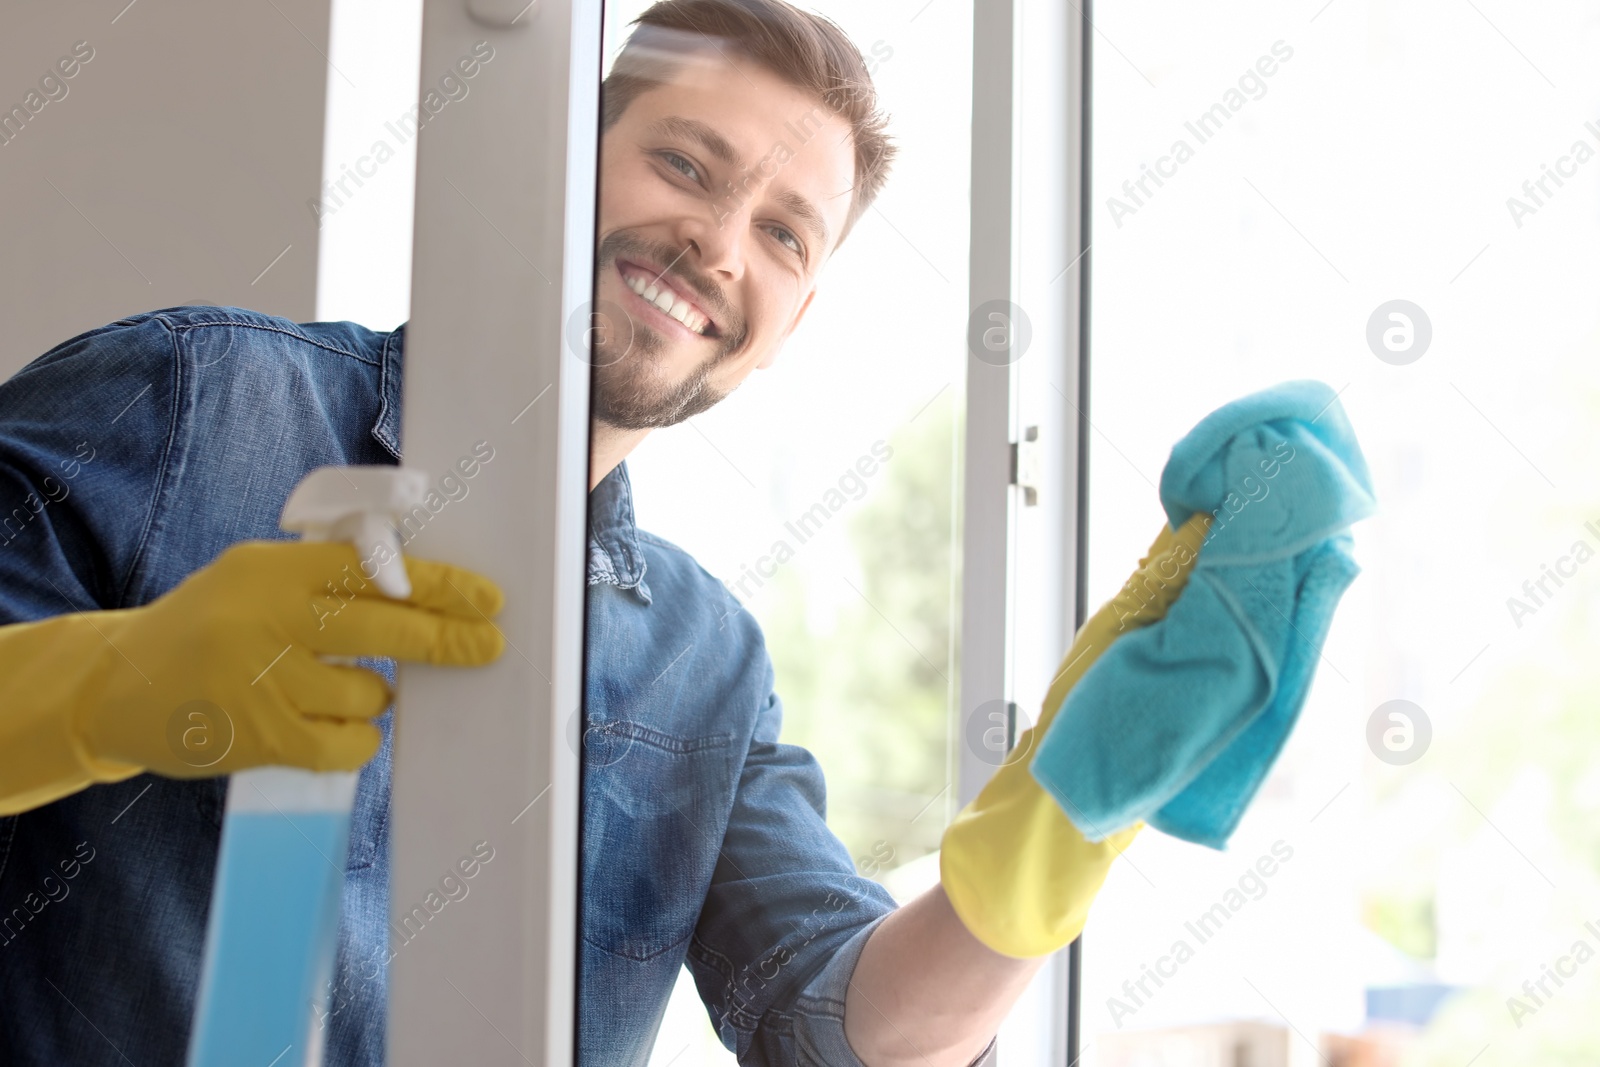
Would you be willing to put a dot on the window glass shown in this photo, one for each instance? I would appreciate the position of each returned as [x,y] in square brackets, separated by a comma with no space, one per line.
[1268,185]
[824,491]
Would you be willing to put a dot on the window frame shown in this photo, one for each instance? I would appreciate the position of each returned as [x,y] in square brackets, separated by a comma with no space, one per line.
[503,264]
[1023,593]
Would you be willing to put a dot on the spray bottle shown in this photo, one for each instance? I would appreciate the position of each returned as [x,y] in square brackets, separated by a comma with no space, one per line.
[272,933]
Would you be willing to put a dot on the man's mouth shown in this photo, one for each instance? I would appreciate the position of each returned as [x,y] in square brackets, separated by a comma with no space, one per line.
[653,289]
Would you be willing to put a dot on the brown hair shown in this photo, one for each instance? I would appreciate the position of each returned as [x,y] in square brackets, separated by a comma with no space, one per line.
[804,49]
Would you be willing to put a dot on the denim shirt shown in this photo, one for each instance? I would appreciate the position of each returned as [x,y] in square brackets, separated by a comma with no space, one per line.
[134,454]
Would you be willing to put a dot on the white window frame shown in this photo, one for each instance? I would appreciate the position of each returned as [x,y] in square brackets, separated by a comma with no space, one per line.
[1022,564]
[504,250]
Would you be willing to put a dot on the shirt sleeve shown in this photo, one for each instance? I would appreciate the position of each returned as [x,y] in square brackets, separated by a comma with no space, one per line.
[83,434]
[819,1010]
[786,916]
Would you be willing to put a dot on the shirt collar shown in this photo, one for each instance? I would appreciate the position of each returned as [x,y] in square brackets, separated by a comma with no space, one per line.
[614,554]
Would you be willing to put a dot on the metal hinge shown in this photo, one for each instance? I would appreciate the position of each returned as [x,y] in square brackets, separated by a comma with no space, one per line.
[1025,463]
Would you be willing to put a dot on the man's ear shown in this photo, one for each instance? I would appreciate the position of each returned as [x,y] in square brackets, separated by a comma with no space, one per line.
[772,353]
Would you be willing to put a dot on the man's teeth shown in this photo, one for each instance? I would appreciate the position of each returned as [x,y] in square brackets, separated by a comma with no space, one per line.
[669,302]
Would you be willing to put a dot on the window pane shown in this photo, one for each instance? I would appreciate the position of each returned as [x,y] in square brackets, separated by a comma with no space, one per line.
[823,492]
[1264,182]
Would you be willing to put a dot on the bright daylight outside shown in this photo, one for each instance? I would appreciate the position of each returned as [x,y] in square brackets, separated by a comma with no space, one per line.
[1401,200]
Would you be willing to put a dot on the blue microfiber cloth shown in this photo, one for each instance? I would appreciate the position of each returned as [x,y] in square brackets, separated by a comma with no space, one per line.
[1178,722]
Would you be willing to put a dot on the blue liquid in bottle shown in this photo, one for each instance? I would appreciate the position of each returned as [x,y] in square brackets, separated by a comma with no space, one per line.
[271,936]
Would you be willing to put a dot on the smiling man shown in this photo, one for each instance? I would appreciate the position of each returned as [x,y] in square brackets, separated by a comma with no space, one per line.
[741,142]
[729,174]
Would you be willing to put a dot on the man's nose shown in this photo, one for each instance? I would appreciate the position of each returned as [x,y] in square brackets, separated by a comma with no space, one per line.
[721,238]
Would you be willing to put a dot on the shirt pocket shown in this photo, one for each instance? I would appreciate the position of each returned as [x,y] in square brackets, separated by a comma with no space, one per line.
[655,808]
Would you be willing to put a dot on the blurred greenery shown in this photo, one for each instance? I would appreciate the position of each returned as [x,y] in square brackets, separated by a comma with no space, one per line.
[1406,922]
[1537,718]
[870,695]
[1538,715]
[866,690]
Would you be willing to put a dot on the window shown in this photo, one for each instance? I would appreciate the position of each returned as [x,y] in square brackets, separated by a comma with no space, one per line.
[1436,873]
[824,491]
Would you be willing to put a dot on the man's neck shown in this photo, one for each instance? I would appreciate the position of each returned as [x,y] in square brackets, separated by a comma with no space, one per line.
[609,446]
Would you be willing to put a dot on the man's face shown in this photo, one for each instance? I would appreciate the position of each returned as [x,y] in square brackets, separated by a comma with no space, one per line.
[722,192]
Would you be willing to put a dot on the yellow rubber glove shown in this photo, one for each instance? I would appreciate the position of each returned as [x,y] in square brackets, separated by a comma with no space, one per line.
[1013,865]
[223,672]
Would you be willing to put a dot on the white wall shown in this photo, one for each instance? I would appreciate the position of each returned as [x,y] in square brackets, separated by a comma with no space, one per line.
[173,167]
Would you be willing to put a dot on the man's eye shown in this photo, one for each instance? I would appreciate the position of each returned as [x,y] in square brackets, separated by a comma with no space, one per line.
[788,238]
[682,166]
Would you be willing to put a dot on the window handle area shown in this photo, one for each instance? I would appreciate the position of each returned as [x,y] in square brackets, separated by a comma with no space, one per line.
[1026,464]
[503,14]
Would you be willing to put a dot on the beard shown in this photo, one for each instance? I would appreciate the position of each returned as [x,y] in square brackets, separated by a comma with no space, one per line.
[629,389]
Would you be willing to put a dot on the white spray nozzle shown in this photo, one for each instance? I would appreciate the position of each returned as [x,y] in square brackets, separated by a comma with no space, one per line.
[361,505]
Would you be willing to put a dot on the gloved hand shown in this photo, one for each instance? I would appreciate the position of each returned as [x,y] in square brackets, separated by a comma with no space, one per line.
[223,672]
[1015,868]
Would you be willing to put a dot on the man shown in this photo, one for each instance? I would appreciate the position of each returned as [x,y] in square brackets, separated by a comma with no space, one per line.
[741,142]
